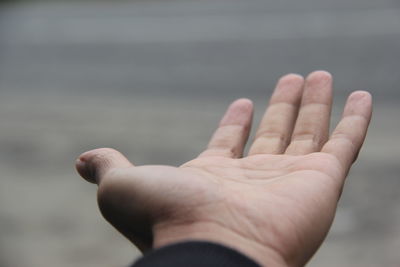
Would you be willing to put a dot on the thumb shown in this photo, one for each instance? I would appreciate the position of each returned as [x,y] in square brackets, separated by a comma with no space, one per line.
[94,164]
[116,197]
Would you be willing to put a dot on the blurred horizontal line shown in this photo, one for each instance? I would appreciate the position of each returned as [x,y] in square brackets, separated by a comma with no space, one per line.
[187,7]
[200,28]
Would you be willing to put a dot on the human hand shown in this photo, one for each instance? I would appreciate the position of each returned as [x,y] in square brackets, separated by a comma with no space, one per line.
[275,205]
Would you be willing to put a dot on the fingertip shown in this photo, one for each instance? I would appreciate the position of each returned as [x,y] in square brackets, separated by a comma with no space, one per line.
[239,113]
[243,102]
[292,77]
[319,80]
[83,171]
[359,103]
[319,74]
[318,88]
[289,80]
[361,95]
[93,164]
[288,89]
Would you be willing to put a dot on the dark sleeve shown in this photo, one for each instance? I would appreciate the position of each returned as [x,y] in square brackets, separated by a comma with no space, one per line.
[195,254]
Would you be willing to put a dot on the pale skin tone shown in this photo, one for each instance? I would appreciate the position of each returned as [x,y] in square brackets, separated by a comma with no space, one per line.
[275,204]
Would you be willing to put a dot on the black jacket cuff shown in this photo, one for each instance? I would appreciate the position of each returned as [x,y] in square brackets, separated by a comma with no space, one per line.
[195,254]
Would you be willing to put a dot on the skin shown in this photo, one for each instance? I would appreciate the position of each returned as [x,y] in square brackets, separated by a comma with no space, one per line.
[275,204]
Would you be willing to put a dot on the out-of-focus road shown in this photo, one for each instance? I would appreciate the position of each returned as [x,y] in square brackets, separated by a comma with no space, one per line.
[151,79]
[197,47]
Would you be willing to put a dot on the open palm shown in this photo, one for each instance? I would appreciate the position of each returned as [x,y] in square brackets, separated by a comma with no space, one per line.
[275,205]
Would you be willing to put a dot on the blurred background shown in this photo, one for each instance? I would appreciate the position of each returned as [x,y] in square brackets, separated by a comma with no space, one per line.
[152,78]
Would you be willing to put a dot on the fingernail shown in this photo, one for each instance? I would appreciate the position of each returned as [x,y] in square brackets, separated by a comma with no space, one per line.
[83,170]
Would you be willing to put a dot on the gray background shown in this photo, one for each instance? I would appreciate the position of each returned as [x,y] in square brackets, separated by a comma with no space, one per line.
[151,78]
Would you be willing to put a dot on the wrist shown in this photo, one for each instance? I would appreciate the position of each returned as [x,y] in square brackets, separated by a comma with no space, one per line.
[210,232]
